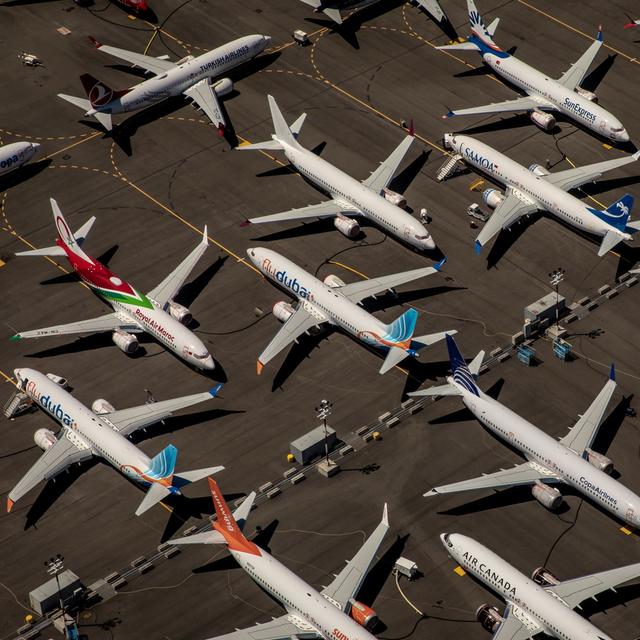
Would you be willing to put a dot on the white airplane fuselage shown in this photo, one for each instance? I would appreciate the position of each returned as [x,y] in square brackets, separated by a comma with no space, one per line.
[540,605]
[305,604]
[357,196]
[531,188]
[175,81]
[14,155]
[540,448]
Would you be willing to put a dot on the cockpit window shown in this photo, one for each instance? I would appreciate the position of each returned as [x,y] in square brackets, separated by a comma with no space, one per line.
[447,541]
[422,237]
[617,129]
[201,356]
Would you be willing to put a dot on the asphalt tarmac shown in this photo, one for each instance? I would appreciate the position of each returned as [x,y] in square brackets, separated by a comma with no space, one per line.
[166,174]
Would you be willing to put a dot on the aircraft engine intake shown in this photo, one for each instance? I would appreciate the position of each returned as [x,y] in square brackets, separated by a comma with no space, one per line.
[365,616]
[101,407]
[543,120]
[599,461]
[223,86]
[333,281]
[180,313]
[489,617]
[589,95]
[126,342]
[346,226]
[44,438]
[394,198]
[538,170]
[492,197]
[282,310]
[547,496]
[543,577]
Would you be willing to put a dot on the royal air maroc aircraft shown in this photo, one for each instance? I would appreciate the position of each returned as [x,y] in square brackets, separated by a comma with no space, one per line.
[189,76]
[330,614]
[544,93]
[349,197]
[569,460]
[536,189]
[86,434]
[14,155]
[155,313]
[540,604]
[334,302]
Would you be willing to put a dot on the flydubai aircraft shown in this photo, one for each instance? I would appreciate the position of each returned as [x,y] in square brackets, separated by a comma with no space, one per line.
[190,76]
[540,604]
[330,614]
[544,93]
[155,313]
[14,155]
[103,431]
[549,461]
[535,189]
[370,198]
[334,302]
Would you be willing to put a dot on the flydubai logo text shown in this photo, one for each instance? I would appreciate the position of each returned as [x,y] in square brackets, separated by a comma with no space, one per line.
[286,280]
[55,409]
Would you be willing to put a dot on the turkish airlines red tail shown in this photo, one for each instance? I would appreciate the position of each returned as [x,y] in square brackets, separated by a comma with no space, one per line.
[98,92]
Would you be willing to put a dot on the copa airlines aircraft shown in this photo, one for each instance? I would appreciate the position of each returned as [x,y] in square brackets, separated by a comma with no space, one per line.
[189,76]
[103,432]
[155,313]
[544,93]
[14,155]
[336,303]
[570,459]
[330,614]
[541,604]
[349,196]
[535,189]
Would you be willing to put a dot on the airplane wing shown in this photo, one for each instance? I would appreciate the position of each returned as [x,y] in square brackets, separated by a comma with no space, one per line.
[53,461]
[582,434]
[126,421]
[573,592]
[511,209]
[110,322]
[578,70]
[574,178]
[326,209]
[357,291]
[526,473]
[512,629]
[205,98]
[277,629]
[149,63]
[525,103]
[170,286]
[347,583]
[300,322]
[433,8]
[382,176]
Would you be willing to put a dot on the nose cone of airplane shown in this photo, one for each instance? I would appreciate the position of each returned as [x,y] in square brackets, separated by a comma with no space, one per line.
[18,374]
[35,148]
[428,243]
[208,363]
[447,140]
[445,538]
[252,252]
[267,41]
[623,136]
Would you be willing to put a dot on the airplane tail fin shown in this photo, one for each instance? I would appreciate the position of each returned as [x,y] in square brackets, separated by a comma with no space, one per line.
[617,214]
[478,28]
[462,374]
[398,339]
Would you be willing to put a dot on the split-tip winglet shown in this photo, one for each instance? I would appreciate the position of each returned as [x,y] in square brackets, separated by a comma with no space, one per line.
[214,391]
[600,33]
[440,264]
[412,130]
[636,155]
[385,515]
[245,223]
[612,372]
[10,504]
[259,366]
[95,42]
[433,492]
[478,248]
[17,336]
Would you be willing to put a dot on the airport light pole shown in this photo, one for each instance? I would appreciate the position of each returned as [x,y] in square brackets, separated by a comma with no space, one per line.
[54,567]
[323,411]
[555,278]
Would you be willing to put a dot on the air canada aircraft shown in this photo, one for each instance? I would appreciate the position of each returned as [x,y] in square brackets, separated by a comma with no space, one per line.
[570,460]
[103,431]
[133,312]
[540,604]
[330,614]
[544,93]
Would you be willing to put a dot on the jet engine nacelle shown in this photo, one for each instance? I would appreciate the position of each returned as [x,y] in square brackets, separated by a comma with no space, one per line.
[333,281]
[394,198]
[365,616]
[180,313]
[543,120]
[539,170]
[544,578]
[346,226]
[101,407]
[44,438]
[599,461]
[547,496]
[492,197]
[282,311]
[126,342]
[223,86]
[185,59]
[489,617]
[589,95]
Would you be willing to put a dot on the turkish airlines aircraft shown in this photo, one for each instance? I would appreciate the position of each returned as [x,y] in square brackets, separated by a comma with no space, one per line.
[330,614]
[103,431]
[189,76]
[540,604]
[349,197]
[536,189]
[544,93]
[155,313]
[549,461]
[334,302]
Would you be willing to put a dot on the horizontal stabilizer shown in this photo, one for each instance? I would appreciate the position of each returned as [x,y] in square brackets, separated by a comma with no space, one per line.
[441,390]
[460,46]
[267,145]
[334,14]
[45,251]
[395,355]
[83,103]
[475,365]
[185,477]
[156,493]
[431,338]
[206,537]
[610,240]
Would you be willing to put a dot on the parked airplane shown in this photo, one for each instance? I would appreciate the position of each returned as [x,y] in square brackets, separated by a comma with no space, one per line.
[334,302]
[540,604]
[134,312]
[570,460]
[189,76]
[544,93]
[370,198]
[330,614]
[534,189]
[102,431]
[14,155]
